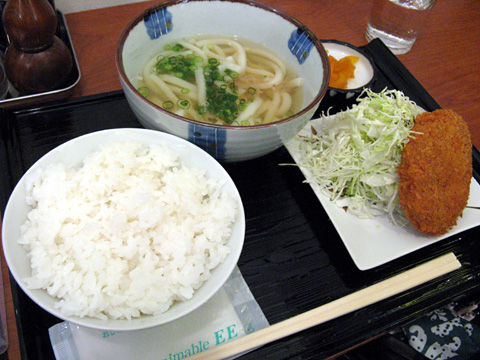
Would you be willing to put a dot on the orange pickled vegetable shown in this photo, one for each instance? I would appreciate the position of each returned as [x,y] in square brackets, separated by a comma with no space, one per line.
[341,70]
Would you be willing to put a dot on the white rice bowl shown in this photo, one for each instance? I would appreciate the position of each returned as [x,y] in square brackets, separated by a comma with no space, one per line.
[166,240]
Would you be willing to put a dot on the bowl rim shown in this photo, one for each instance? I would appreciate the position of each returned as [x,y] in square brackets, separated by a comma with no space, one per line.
[124,134]
[316,42]
[362,52]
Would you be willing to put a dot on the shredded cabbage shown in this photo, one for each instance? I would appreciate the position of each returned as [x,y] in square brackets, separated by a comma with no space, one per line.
[354,155]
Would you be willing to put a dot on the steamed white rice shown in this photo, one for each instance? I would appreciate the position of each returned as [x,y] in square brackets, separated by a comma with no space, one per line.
[129,233]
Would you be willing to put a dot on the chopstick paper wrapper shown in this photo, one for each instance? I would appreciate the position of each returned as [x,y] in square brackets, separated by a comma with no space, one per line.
[357,300]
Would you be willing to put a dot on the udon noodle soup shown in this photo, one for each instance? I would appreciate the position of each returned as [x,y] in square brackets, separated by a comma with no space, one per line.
[220,80]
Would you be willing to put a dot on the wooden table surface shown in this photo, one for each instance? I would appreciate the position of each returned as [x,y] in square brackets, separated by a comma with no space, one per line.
[445,60]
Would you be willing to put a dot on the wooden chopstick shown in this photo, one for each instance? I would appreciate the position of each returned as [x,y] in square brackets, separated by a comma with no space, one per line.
[357,300]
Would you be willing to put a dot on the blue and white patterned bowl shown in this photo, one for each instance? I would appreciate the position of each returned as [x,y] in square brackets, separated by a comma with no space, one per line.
[172,20]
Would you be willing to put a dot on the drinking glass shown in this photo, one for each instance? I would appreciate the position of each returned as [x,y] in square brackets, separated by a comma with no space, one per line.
[398,22]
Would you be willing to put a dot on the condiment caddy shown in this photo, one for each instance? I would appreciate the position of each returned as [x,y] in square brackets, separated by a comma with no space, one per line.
[39,60]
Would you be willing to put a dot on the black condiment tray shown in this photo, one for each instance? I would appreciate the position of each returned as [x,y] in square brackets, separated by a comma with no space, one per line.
[293,259]
[14,100]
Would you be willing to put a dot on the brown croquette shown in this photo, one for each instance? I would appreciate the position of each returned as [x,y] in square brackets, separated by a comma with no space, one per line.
[436,171]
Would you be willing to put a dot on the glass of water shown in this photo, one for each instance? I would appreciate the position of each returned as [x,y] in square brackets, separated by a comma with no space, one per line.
[398,22]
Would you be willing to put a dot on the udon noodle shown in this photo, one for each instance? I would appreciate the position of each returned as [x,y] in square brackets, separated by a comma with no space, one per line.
[223,81]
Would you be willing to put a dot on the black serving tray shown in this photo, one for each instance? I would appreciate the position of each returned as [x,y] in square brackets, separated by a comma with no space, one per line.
[293,259]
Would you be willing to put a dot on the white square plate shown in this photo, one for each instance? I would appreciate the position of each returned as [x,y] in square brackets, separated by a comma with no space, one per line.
[373,242]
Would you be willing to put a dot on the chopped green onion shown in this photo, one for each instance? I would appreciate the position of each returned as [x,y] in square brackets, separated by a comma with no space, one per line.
[144,91]
[231,73]
[201,110]
[251,90]
[179,65]
[168,105]
[183,104]
[177,47]
[222,100]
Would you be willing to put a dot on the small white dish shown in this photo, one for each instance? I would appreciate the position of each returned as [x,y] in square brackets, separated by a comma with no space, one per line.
[364,74]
